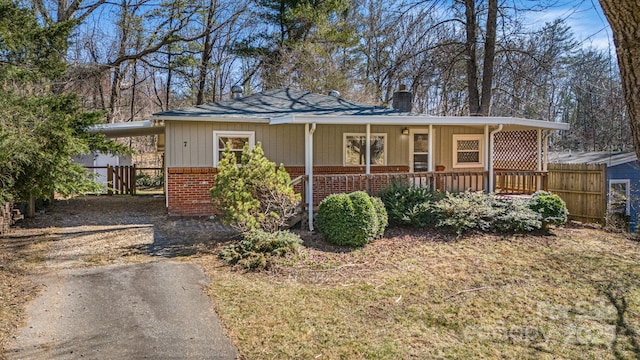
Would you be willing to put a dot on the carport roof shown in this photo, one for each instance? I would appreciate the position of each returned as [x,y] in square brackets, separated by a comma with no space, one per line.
[131,128]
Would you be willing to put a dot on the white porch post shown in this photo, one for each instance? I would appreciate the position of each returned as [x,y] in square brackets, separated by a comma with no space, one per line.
[545,161]
[368,151]
[539,132]
[308,164]
[430,149]
[539,140]
[490,159]
[487,184]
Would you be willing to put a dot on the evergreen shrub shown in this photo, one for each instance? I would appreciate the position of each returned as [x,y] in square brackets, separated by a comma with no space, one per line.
[353,219]
[257,248]
[552,210]
[407,204]
[254,193]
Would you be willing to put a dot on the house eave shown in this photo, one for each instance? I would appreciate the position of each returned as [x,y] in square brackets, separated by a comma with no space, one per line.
[409,120]
[209,118]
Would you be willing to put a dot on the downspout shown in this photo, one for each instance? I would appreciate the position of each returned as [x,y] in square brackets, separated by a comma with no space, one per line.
[491,140]
[309,166]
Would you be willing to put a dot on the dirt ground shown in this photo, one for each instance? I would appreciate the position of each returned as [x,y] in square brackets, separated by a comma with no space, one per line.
[92,231]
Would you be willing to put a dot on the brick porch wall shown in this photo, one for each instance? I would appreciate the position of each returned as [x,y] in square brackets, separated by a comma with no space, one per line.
[188,188]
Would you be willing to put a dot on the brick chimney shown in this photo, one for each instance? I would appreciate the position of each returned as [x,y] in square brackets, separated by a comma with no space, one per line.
[402,99]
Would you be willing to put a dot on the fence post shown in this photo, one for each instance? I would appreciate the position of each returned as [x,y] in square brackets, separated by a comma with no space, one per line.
[31,210]
[132,180]
[605,192]
[109,180]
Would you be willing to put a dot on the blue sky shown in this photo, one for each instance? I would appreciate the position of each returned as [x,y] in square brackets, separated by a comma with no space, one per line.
[586,19]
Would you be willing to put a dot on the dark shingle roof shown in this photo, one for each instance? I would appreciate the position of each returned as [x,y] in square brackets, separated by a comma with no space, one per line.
[277,103]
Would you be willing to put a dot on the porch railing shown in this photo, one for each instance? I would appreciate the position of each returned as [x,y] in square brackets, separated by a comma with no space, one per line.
[506,182]
[519,182]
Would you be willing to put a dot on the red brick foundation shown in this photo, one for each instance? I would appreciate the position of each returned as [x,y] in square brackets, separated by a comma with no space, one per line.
[188,188]
[188,191]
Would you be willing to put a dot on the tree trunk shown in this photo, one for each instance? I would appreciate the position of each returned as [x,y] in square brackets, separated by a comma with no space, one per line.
[624,18]
[472,62]
[489,58]
[206,54]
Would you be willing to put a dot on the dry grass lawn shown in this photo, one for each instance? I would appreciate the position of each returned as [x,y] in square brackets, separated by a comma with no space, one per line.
[572,294]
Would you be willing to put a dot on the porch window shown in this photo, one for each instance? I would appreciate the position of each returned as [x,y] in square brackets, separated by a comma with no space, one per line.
[237,140]
[467,151]
[354,146]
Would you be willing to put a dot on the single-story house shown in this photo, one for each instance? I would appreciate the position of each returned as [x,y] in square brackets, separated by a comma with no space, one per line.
[622,179]
[331,144]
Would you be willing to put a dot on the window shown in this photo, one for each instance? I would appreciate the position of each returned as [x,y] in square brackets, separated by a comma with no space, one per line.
[467,151]
[419,150]
[619,194]
[355,149]
[237,140]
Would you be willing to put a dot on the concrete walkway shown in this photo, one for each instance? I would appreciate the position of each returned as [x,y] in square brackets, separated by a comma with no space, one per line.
[141,311]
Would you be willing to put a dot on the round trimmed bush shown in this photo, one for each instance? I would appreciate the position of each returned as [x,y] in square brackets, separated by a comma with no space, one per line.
[383,218]
[551,208]
[351,219]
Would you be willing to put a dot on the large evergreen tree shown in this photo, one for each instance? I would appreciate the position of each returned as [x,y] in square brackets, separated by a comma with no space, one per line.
[40,131]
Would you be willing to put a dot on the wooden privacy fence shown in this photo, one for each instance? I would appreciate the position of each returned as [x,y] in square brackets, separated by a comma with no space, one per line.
[121,180]
[583,188]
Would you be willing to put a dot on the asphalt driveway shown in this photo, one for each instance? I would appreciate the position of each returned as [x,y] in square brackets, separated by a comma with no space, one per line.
[151,310]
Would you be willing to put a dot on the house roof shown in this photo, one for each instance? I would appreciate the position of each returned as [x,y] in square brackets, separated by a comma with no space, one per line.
[288,106]
[274,104]
[594,157]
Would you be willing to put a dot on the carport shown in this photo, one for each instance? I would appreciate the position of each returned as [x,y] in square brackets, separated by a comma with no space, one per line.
[122,179]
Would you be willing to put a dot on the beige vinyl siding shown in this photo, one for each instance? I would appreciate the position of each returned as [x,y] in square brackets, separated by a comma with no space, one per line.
[443,145]
[281,143]
[285,143]
[328,143]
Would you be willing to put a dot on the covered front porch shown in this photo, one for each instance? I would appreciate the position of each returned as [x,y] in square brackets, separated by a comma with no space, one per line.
[501,155]
[506,182]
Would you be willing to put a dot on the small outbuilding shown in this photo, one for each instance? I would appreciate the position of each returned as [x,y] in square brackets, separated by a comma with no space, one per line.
[97,162]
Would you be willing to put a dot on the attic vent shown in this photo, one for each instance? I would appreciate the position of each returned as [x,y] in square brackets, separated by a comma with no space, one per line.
[236,91]
[334,93]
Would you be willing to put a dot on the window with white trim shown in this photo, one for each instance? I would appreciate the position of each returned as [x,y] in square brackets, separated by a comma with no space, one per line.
[419,150]
[236,140]
[619,196]
[467,150]
[354,148]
